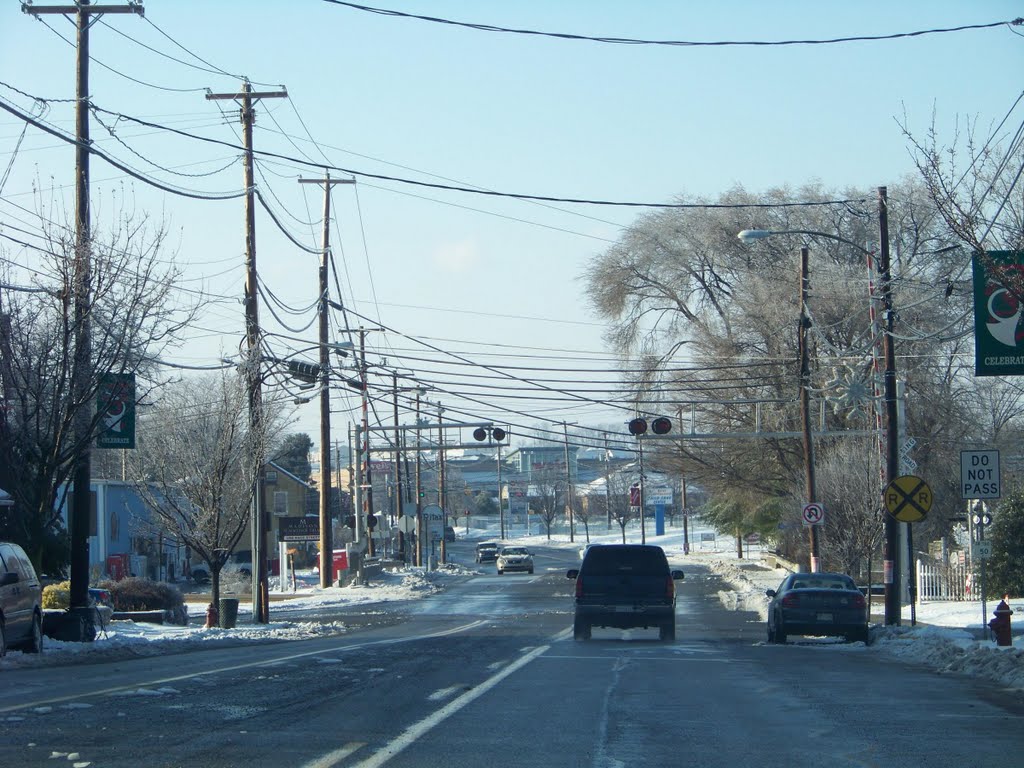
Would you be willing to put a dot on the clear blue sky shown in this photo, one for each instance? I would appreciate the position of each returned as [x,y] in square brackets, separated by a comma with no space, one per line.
[513,113]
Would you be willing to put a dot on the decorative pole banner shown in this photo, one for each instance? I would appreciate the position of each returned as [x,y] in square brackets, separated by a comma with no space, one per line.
[115,404]
[998,303]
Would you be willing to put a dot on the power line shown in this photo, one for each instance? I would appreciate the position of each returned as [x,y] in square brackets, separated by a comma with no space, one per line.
[675,43]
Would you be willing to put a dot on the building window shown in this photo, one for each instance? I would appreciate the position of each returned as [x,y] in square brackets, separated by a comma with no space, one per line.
[280,503]
[271,476]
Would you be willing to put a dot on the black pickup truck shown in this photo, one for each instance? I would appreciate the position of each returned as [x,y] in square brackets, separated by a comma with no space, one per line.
[625,586]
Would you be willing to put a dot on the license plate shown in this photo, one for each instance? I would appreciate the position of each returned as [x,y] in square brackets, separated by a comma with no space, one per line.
[624,608]
[824,617]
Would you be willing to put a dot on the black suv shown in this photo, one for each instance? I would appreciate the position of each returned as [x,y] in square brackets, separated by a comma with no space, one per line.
[625,586]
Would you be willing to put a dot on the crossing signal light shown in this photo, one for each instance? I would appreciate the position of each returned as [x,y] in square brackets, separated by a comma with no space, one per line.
[497,433]
[371,521]
[661,426]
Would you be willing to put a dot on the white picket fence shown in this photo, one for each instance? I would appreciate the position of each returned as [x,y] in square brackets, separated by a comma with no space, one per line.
[937,581]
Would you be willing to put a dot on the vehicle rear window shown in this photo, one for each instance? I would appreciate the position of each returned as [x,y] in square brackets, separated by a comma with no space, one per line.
[636,559]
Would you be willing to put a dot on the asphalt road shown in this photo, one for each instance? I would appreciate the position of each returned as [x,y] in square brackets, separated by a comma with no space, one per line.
[487,674]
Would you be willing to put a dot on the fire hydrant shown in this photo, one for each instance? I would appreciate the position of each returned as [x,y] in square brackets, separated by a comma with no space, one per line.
[212,618]
[1000,625]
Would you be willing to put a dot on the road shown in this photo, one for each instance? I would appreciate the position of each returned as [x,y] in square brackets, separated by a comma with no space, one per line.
[487,674]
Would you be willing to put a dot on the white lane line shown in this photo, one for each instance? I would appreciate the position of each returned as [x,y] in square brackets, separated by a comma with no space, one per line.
[246,665]
[445,693]
[335,757]
[415,731]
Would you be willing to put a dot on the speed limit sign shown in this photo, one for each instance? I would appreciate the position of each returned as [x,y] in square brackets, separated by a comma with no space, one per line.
[814,513]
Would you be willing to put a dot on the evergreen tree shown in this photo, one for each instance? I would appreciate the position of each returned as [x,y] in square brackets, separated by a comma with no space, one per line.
[293,455]
[1006,566]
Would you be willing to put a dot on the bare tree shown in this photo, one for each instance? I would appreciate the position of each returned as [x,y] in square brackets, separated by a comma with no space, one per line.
[197,464]
[547,486]
[136,315]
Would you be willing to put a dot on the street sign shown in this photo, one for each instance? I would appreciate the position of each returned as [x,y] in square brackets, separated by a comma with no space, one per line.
[407,523]
[983,550]
[299,528]
[813,513]
[979,475]
[634,496]
[908,498]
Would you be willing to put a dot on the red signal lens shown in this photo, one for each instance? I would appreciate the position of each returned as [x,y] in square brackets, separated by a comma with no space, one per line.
[661,426]
[637,426]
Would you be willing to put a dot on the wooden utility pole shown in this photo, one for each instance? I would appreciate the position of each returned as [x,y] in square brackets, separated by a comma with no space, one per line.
[440,481]
[257,522]
[892,578]
[568,485]
[82,627]
[326,542]
[805,412]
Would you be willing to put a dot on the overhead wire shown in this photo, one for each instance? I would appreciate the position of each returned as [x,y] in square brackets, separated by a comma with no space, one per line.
[672,43]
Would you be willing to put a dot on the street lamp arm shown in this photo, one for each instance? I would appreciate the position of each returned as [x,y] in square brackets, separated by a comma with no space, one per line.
[750,235]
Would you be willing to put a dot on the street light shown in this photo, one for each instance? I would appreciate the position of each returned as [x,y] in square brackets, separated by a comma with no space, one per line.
[892,531]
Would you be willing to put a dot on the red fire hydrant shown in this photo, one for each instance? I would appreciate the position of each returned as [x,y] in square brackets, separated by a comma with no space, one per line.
[1000,625]
[212,618]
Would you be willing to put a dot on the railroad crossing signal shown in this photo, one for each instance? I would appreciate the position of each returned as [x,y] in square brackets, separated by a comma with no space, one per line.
[908,498]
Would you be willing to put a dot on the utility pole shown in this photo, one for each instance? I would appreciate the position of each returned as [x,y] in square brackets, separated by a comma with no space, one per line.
[257,521]
[568,485]
[363,514]
[82,627]
[893,604]
[686,516]
[805,413]
[501,508]
[607,484]
[326,543]
[419,487]
[440,483]
[399,496]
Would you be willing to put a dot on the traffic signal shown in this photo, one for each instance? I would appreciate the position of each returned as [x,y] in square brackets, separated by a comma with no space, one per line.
[371,521]
[498,434]
[479,433]
[350,521]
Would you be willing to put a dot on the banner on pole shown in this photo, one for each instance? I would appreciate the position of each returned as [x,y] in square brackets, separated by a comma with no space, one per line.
[115,403]
[998,303]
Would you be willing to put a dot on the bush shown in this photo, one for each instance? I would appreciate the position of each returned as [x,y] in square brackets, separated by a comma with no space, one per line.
[136,594]
[57,596]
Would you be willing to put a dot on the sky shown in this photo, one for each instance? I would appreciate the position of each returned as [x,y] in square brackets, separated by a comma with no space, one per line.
[466,285]
[945,637]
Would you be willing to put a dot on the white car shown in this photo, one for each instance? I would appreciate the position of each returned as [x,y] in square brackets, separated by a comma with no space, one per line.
[514,558]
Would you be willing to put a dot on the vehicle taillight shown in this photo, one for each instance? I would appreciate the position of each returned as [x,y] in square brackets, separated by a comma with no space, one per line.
[670,588]
[579,586]
[791,601]
[859,601]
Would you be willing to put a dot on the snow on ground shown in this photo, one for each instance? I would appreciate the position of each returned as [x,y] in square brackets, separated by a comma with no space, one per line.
[948,636]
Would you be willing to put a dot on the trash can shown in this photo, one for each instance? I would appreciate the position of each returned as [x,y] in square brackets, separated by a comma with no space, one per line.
[228,612]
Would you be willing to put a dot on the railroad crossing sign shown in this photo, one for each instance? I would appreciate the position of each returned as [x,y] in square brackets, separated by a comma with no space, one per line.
[814,513]
[908,498]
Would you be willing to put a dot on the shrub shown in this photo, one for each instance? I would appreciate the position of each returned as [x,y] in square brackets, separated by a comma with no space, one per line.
[57,596]
[135,594]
